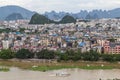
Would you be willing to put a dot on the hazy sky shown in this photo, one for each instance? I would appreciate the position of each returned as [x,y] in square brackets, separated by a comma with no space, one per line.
[63,5]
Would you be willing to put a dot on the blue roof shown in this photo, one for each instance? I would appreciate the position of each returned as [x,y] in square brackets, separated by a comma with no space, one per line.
[68,40]
[54,35]
[73,38]
[18,33]
[81,44]
[65,37]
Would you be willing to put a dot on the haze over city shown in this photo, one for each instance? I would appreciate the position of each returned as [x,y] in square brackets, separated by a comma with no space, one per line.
[56,39]
[63,5]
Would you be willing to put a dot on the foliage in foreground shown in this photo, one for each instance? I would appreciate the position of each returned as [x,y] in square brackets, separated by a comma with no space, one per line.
[69,55]
[6,54]
[24,54]
[46,54]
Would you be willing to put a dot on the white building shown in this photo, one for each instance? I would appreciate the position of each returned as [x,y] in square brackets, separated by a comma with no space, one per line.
[5,44]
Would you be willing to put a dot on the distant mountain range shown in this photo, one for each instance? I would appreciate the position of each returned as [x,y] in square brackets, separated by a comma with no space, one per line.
[84,14]
[14,16]
[6,11]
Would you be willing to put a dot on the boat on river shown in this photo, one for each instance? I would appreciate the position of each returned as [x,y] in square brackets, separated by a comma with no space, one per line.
[60,74]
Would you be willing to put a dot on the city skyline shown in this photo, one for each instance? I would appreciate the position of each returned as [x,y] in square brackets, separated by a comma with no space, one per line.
[74,6]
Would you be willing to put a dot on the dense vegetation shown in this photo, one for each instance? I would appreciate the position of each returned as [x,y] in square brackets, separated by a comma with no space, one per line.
[45,54]
[69,55]
[40,19]
[7,30]
[67,19]
[6,54]
[24,54]
[75,56]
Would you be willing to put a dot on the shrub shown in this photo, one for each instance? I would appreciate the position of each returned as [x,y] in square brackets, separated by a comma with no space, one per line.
[109,57]
[6,54]
[46,54]
[91,56]
[24,54]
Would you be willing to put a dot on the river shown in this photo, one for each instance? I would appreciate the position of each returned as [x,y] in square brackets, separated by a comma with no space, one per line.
[75,74]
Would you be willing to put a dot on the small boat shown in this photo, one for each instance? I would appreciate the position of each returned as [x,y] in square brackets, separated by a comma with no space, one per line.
[61,74]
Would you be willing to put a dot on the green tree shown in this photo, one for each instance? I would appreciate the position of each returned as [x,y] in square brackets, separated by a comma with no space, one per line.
[22,29]
[112,40]
[24,54]
[63,56]
[46,54]
[109,57]
[78,56]
[116,57]
[70,54]
[90,56]
[6,54]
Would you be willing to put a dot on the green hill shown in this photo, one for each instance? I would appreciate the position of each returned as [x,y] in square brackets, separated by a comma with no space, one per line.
[40,19]
[67,19]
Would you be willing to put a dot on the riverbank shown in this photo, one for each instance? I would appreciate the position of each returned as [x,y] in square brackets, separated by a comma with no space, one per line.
[45,66]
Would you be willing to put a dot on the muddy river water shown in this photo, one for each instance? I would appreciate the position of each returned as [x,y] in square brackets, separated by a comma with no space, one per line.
[75,74]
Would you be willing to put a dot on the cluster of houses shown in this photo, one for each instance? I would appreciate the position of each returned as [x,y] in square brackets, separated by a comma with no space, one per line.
[101,35]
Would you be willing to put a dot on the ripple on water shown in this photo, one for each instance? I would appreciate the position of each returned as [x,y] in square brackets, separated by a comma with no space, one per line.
[75,74]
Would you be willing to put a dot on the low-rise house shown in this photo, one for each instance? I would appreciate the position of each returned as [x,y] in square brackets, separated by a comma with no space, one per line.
[111,48]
